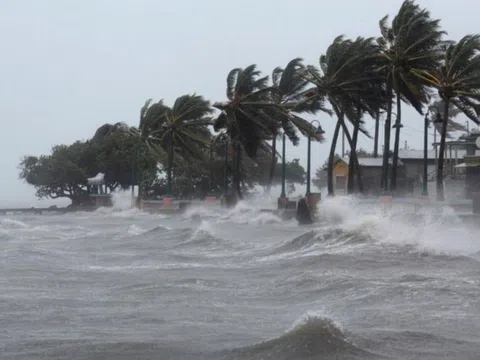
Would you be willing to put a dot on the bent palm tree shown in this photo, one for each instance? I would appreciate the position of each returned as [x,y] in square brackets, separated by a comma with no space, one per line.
[457,80]
[289,86]
[182,127]
[341,80]
[452,125]
[410,43]
[249,117]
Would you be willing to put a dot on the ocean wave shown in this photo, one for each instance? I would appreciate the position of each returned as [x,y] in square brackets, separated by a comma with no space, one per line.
[311,336]
[7,223]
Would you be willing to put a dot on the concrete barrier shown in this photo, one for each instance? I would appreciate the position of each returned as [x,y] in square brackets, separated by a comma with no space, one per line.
[386,202]
[282,202]
[168,202]
[211,200]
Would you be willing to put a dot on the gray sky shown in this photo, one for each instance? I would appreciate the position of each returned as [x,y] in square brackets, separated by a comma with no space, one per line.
[68,66]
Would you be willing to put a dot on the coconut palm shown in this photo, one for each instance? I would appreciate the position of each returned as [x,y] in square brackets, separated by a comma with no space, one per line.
[182,128]
[370,99]
[410,43]
[249,117]
[342,82]
[289,86]
[457,80]
[452,126]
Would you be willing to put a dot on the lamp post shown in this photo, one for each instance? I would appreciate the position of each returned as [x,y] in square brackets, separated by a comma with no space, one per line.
[437,120]
[396,126]
[318,132]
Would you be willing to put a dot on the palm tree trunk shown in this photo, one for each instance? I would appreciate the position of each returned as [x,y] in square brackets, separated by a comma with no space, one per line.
[386,142]
[237,188]
[169,165]
[375,141]
[273,164]
[355,158]
[331,157]
[393,181]
[441,155]
[351,162]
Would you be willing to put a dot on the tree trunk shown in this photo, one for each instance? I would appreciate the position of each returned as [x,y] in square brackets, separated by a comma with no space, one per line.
[237,188]
[386,142]
[351,163]
[169,166]
[375,141]
[398,121]
[355,158]
[273,164]
[441,155]
[331,157]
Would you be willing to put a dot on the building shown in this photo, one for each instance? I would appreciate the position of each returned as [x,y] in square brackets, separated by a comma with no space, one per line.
[98,191]
[371,172]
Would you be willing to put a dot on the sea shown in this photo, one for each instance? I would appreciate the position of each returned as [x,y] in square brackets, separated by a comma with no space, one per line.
[212,283]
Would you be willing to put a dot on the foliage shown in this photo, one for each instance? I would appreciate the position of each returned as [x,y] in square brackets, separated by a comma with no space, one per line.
[457,80]
[63,173]
[411,43]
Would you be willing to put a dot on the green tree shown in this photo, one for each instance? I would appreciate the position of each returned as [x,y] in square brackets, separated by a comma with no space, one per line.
[181,129]
[409,44]
[345,80]
[457,80]
[294,173]
[289,85]
[62,174]
[249,117]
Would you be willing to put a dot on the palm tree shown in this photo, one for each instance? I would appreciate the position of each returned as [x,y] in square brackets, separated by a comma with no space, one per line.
[410,43]
[249,117]
[341,80]
[289,87]
[457,80]
[182,128]
[452,126]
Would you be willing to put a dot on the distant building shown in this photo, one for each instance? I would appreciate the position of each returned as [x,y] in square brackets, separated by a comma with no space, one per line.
[371,171]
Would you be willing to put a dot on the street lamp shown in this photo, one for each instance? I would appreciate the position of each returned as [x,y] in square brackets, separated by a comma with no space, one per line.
[438,119]
[318,132]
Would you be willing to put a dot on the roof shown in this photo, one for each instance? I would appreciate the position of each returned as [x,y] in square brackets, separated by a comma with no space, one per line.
[96,180]
[371,161]
[415,154]
[418,154]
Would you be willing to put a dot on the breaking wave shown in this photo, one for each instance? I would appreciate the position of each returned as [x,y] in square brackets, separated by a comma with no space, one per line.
[311,336]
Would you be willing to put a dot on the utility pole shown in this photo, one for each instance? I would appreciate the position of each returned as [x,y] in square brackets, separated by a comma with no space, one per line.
[343,143]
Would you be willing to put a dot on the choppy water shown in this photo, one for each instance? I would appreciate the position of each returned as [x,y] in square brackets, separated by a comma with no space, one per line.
[239,284]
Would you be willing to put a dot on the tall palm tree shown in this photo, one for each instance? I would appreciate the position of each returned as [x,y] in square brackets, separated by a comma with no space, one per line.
[249,117]
[409,43]
[457,81]
[289,85]
[182,128]
[341,81]
[452,125]
[370,99]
